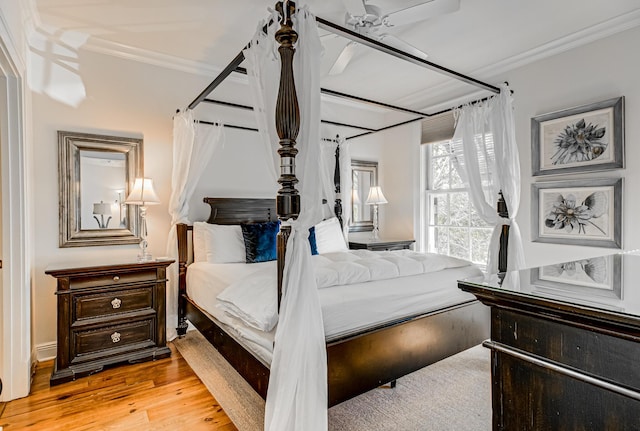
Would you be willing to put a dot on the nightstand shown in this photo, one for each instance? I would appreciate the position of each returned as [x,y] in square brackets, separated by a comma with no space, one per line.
[381,244]
[109,314]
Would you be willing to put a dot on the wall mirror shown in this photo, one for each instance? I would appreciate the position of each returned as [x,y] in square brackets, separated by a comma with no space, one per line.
[95,173]
[364,175]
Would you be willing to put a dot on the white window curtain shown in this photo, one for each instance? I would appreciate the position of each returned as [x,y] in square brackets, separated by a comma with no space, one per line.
[486,157]
[297,394]
[193,147]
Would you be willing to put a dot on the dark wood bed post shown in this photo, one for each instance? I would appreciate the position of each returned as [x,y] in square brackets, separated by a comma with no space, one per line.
[287,126]
[337,208]
[504,238]
[183,256]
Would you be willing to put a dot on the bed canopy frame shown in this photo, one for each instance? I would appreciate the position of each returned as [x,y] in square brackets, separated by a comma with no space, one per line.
[287,206]
[234,67]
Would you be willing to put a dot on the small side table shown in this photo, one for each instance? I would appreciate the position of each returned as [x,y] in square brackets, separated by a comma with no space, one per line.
[381,244]
[109,314]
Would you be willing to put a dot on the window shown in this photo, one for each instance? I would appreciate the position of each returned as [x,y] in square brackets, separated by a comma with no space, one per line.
[450,224]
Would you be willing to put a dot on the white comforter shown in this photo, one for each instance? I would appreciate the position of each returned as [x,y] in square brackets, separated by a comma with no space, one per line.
[359,266]
[356,291]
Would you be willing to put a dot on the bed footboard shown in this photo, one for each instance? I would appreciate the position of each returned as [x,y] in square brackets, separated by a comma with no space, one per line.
[365,361]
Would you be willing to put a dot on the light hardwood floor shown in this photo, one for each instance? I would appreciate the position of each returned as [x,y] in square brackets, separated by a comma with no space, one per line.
[157,395]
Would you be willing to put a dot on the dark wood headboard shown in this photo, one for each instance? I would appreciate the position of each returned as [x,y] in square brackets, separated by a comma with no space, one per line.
[241,210]
[223,211]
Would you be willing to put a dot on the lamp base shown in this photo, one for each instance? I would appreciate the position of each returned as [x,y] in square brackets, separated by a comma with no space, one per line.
[144,255]
[375,232]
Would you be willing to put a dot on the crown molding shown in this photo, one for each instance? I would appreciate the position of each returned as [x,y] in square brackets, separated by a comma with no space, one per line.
[127,52]
[582,37]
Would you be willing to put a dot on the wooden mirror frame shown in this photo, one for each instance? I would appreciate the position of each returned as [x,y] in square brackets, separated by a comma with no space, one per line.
[368,166]
[69,146]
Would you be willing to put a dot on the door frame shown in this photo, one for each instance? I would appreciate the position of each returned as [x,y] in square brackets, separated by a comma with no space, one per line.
[15,290]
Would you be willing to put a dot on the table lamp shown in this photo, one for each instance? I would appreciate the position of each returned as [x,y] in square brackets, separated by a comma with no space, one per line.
[101,209]
[375,198]
[142,195]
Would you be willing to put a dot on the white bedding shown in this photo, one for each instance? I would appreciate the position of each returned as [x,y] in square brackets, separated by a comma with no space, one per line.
[425,282]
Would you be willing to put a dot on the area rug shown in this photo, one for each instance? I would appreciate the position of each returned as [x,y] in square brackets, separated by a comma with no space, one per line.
[451,395]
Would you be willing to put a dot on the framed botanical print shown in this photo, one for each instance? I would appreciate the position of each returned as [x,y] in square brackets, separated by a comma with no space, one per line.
[585,138]
[581,212]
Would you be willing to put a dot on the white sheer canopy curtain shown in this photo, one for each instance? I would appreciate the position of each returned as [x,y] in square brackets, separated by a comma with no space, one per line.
[297,394]
[193,147]
[486,158]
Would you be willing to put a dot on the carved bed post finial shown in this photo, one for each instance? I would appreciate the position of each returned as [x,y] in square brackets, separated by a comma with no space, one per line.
[504,238]
[287,126]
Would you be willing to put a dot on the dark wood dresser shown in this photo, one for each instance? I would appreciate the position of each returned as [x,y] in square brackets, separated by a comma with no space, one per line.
[565,346]
[381,244]
[109,314]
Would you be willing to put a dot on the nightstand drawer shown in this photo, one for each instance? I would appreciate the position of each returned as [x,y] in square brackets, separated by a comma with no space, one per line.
[112,303]
[112,279]
[131,335]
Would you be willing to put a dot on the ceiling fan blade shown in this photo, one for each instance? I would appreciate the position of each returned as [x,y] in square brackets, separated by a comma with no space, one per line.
[400,44]
[420,12]
[355,7]
[343,59]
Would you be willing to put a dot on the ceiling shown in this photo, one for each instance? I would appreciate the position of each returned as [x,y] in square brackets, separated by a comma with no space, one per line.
[483,39]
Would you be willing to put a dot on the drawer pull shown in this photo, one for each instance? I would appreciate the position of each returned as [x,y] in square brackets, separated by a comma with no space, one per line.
[115,337]
[116,278]
[116,303]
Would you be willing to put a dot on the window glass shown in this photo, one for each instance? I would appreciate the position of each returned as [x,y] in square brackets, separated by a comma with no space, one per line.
[452,226]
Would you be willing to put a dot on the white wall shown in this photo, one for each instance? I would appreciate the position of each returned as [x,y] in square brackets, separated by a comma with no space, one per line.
[133,99]
[598,71]
[397,152]
[124,98]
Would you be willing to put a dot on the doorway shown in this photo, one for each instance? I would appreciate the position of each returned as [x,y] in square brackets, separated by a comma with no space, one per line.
[15,294]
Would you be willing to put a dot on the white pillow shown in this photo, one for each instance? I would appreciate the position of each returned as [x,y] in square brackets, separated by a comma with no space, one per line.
[329,237]
[216,243]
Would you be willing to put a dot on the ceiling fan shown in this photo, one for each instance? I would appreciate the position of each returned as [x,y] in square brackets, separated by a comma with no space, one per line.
[369,20]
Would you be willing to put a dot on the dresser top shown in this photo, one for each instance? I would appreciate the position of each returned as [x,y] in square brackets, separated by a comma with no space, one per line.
[607,286]
[66,269]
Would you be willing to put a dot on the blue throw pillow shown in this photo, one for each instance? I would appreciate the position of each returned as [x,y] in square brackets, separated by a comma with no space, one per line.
[260,241]
[312,240]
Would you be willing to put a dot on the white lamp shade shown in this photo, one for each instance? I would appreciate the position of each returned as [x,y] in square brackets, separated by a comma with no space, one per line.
[376,196]
[101,208]
[142,193]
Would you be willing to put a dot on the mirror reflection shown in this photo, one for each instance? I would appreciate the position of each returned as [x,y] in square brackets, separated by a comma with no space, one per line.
[95,175]
[364,175]
[103,180]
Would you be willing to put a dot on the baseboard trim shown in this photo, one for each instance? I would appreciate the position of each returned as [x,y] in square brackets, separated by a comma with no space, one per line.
[45,351]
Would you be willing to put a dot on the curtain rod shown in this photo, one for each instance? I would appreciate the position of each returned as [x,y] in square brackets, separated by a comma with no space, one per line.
[338,94]
[233,66]
[250,129]
[250,108]
[368,131]
[376,44]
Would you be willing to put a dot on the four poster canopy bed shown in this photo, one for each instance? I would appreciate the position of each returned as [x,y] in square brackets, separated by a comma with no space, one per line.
[379,315]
